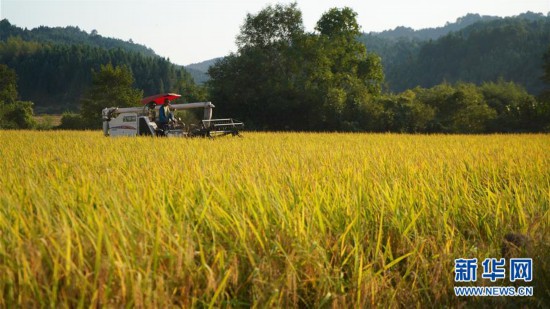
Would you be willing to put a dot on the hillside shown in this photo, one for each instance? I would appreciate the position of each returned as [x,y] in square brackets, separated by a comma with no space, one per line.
[431,33]
[487,50]
[204,65]
[54,65]
[200,77]
[69,36]
[199,70]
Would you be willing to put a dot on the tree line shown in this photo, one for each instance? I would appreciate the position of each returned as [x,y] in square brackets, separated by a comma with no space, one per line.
[458,108]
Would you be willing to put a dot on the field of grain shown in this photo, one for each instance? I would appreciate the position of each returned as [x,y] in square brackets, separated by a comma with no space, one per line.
[268,220]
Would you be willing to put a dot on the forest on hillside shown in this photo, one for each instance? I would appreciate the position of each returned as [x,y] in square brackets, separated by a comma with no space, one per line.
[490,49]
[69,36]
[55,65]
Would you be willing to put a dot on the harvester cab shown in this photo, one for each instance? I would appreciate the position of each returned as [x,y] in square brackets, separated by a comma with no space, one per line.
[134,121]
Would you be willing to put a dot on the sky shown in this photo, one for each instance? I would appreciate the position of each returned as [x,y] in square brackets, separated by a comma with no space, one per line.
[191,31]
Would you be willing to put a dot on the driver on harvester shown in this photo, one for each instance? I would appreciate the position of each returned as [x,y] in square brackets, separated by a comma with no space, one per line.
[166,116]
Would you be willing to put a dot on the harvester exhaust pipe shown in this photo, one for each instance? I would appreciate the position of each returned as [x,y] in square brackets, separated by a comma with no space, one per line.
[207,114]
[106,127]
[106,115]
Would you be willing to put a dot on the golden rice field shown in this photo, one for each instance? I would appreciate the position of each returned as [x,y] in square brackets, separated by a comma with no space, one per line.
[268,220]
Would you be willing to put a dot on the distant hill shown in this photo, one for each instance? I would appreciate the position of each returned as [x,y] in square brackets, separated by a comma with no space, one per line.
[69,36]
[199,70]
[431,33]
[54,65]
[199,77]
[485,49]
[204,65]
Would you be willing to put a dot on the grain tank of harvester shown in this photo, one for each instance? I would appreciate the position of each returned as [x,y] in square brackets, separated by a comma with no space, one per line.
[134,121]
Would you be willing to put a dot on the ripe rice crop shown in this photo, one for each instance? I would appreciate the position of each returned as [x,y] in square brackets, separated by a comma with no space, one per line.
[268,220]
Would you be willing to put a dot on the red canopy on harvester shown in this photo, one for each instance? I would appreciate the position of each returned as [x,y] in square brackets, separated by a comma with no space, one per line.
[159,98]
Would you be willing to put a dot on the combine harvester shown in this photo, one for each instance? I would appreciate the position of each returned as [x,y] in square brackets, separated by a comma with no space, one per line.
[133,121]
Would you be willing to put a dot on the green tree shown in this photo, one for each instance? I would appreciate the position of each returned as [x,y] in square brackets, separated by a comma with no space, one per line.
[72,121]
[350,72]
[274,24]
[13,114]
[282,78]
[471,112]
[458,109]
[400,113]
[340,23]
[516,109]
[18,115]
[261,83]
[111,86]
